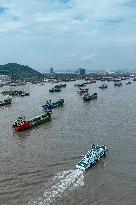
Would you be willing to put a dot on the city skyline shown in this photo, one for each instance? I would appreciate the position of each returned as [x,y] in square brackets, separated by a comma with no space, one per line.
[66,34]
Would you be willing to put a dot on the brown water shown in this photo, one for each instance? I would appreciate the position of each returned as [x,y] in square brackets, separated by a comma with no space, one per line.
[38,166]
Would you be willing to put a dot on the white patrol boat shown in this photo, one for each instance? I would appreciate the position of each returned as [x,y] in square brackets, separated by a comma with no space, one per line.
[92,156]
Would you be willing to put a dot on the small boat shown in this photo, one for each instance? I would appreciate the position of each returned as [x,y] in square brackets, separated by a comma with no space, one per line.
[128,83]
[118,83]
[60,86]
[41,84]
[82,90]
[92,156]
[103,86]
[22,124]
[80,85]
[103,79]
[15,93]
[86,83]
[117,79]
[88,97]
[6,102]
[134,79]
[24,94]
[50,106]
[54,90]
[123,78]
[93,81]
[1,85]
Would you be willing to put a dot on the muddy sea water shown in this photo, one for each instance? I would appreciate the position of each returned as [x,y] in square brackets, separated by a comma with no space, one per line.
[37,166]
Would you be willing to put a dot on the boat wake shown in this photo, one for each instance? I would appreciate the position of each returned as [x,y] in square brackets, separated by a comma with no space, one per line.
[63,181]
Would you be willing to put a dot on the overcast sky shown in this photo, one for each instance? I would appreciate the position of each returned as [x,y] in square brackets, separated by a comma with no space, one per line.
[65,34]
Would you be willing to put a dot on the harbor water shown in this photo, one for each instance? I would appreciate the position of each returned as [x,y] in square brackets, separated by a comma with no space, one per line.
[37,166]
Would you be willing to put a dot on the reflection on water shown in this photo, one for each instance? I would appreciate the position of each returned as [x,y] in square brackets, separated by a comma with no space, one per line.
[29,160]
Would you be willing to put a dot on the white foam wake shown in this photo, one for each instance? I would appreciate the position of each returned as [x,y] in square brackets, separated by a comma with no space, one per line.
[66,180]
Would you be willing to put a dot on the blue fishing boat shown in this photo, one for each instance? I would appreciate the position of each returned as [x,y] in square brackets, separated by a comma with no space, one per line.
[50,106]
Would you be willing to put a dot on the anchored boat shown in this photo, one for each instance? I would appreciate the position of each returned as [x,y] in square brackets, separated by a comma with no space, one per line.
[15,93]
[54,90]
[88,97]
[80,85]
[103,86]
[82,90]
[6,102]
[128,83]
[60,86]
[57,88]
[22,124]
[92,156]
[118,83]
[50,106]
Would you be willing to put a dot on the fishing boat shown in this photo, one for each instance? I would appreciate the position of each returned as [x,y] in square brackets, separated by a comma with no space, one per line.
[6,102]
[50,106]
[117,79]
[128,83]
[41,84]
[92,156]
[1,85]
[103,79]
[60,86]
[54,90]
[118,83]
[103,86]
[80,85]
[88,97]
[93,81]
[22,124]
[24,94]
[123,78]
[82,90]
[15,93]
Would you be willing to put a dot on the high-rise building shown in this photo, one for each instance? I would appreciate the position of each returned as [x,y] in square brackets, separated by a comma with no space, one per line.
[81,71]
[51,70]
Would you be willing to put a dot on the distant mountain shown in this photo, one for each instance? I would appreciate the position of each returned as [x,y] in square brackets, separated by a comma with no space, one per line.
[17,71]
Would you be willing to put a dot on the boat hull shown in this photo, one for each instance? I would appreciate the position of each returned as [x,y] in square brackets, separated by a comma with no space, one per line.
[22,127]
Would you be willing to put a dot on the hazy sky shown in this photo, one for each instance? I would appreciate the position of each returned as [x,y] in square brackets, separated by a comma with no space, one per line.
[94,34]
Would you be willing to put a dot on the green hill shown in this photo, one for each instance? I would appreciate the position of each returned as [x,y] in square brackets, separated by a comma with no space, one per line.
[17,71]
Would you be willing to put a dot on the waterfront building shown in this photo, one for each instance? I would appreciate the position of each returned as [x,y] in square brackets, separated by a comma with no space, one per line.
[51,70]
[81,71]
